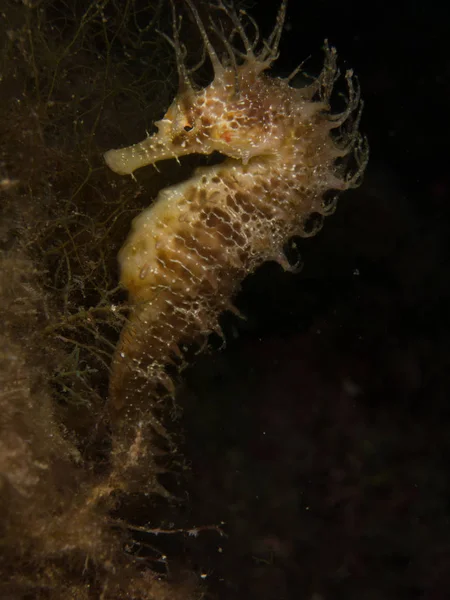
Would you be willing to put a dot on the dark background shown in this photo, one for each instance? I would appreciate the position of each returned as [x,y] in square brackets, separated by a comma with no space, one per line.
[320,435]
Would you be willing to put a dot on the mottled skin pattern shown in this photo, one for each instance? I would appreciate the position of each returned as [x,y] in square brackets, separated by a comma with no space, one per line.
[187,254]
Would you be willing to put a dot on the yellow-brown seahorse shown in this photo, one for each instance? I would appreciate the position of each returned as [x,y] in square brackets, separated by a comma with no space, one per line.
[187,253]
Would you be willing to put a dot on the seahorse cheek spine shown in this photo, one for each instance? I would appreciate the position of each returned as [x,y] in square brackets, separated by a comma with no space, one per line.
[187,253]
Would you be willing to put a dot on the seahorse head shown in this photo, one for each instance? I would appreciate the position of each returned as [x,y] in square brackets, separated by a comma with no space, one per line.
[236,114]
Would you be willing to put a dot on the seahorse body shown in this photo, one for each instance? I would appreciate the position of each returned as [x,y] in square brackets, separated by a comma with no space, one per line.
[187,253]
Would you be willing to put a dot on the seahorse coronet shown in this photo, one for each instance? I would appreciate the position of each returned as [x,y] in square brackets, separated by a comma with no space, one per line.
[188,252]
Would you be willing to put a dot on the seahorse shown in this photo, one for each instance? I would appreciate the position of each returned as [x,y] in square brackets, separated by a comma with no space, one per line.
[189,251]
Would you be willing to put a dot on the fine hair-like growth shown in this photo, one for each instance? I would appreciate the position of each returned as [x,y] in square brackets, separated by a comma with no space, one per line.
[188,252]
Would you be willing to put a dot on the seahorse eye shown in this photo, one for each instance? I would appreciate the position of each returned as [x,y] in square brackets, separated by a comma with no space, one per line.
[188,127]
